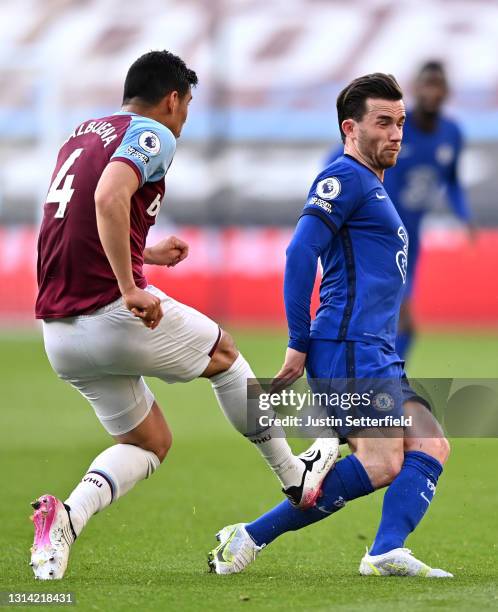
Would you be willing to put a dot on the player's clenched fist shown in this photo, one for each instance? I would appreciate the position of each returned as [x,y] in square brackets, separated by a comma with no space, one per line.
[168,252]
[144,305]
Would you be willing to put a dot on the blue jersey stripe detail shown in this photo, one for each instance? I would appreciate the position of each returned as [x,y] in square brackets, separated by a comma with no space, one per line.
[347,247]
[351,366]
[350,360]
[315,212]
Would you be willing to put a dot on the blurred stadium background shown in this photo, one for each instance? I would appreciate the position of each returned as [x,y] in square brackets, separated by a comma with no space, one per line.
[261,121]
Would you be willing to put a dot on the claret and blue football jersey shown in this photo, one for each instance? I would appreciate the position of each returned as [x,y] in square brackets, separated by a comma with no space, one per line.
[85,281]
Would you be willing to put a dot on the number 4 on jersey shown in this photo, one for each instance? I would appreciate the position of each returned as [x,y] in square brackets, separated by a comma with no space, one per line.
[62,195]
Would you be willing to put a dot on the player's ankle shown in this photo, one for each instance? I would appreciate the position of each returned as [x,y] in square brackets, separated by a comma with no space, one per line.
[290,472]
[76,519]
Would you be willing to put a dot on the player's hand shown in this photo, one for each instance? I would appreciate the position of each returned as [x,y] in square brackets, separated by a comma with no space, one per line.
[144,305]
[292,369]
[168,252]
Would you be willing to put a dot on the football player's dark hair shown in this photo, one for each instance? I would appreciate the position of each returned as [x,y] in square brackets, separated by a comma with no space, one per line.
[432,66]
[351,100]
[156,74]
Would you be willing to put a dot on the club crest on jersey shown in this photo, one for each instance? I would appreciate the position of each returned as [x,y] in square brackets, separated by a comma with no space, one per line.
[402,256]
[150,142]
[329,188]
[383,402]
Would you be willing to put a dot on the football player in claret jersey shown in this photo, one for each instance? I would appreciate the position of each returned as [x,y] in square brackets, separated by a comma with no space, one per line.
[426,165]
[105,328]
[350,223]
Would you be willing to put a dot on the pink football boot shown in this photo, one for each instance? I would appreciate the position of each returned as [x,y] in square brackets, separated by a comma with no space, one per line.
[54,535]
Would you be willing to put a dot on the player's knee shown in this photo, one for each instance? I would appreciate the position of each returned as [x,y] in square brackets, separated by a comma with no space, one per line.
[226,346]
[439,448]
[436,446]
[225,354]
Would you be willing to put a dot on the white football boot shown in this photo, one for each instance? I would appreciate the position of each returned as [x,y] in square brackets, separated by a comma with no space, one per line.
[236,550]
[318,460]
[398,562]
[54,535]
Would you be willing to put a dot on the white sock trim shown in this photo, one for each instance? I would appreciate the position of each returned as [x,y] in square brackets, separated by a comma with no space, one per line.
[239,368]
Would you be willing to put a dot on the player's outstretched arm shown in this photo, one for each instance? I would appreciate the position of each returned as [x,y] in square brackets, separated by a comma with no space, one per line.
[112,205]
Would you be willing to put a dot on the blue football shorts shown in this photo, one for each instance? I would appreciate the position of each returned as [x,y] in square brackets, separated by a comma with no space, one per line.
[375,375]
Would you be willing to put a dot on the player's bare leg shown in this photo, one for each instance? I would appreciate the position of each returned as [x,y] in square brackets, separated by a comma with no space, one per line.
[426,434]
[113,473]
[301,477]
[381,454]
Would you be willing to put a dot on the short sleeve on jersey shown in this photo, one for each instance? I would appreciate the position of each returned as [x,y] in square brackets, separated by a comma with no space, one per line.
[334,196]
[148,147]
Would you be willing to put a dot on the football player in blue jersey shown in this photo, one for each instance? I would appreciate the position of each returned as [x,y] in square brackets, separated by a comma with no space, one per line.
[350,223]
[426,165]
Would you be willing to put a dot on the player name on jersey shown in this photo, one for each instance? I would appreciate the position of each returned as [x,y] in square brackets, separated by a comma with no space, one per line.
[104,129]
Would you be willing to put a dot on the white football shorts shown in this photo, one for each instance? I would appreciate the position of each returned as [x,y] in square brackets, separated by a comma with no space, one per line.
[106,354]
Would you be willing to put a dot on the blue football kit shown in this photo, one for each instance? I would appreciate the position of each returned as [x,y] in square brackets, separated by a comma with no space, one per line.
[426,165]
[350,223]
[363,255]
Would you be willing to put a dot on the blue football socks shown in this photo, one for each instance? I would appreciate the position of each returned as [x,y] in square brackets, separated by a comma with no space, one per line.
[406,501]
[345,482]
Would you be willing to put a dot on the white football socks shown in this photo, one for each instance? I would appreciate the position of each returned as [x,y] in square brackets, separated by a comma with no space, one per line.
[112,474]
[230,388]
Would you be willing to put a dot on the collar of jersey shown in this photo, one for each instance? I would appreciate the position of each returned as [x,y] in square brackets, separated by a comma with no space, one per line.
[363,165]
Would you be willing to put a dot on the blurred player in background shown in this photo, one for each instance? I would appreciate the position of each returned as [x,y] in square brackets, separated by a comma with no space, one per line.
[105,328]
[427,164]
[350,224]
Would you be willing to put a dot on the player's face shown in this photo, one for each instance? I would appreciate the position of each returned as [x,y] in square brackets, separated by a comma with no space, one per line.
[380,131]
[431,90]
[179,113]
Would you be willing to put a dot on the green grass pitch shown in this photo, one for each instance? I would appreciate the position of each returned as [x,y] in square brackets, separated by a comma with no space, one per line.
[148,551]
